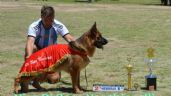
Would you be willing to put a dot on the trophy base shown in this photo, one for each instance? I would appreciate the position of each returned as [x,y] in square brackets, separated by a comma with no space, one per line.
[151,83]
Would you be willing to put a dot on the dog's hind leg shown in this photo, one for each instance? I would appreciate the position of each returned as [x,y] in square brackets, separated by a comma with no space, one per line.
[24,86]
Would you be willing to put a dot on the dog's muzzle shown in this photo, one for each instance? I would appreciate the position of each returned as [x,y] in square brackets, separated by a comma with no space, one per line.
[100,42]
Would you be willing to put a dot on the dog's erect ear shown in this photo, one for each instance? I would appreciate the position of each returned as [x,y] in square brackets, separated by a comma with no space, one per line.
[93,30]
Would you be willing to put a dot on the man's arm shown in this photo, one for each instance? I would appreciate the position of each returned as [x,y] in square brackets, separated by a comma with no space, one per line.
[68,38]
[29,46]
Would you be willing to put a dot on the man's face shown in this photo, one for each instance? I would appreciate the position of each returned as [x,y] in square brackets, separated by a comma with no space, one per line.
[47,21]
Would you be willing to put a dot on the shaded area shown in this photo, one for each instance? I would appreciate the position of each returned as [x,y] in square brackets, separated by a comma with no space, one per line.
[62,89]
[166,2]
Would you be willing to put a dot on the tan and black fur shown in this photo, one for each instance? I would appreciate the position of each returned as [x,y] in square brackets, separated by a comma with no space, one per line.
[86,44]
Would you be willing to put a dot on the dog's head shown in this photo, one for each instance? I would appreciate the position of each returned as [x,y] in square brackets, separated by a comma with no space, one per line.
[89,41]
[97,39]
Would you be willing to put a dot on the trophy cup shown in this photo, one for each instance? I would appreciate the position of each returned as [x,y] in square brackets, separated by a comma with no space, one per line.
[129,68]
[150,78]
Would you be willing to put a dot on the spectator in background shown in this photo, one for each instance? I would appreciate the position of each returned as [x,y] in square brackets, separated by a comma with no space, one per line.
[166,2]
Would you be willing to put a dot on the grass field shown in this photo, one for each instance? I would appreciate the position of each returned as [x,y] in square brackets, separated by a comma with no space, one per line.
[131,28]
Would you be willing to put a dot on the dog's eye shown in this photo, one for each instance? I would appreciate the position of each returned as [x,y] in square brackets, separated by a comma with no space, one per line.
[98,38]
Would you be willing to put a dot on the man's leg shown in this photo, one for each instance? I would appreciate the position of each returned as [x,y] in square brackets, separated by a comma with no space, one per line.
[170,2]
[165,2]
[37,85]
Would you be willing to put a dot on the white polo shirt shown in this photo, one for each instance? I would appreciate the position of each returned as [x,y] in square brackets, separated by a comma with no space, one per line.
[45,37]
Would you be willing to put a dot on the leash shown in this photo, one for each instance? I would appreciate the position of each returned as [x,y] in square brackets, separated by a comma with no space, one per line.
[64,82]
[86,79]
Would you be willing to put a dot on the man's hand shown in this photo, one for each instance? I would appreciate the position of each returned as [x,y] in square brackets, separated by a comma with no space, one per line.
[29,47]
[77,46]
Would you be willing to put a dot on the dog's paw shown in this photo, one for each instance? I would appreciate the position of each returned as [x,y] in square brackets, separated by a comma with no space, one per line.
[78,91]
[15,91]
[23,91]
[83,89]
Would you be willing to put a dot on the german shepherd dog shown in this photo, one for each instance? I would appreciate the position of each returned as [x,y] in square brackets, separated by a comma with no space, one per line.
[82,48]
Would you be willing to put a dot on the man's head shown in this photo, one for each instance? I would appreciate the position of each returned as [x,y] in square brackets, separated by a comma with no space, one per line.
[47,15]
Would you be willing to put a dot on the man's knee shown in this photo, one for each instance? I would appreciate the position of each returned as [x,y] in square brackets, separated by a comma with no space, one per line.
[54,77]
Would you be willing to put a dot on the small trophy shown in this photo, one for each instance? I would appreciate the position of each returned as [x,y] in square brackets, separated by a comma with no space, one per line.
[129,68]
[150,78]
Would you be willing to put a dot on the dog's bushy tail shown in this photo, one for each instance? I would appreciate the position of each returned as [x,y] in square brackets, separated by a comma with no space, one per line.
[16,85]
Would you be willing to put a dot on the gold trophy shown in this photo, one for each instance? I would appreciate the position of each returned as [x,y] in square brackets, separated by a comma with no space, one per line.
[150,78]
[129,68]
[150,60]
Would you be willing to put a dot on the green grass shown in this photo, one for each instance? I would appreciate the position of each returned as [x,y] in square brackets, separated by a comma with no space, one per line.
[130,29]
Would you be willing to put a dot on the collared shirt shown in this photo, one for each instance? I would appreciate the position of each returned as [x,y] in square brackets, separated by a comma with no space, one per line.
[45,37]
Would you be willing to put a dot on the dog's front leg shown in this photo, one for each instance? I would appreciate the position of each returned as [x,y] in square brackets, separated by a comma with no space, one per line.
[81,88]
[75,81]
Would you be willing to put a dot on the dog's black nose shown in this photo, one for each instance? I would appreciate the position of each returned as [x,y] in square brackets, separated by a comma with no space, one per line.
[104,41]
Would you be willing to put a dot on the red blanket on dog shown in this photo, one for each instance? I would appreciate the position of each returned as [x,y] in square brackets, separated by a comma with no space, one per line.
[47,59]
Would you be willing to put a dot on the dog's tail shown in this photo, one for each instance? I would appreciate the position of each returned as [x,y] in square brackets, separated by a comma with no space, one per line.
[16,85]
